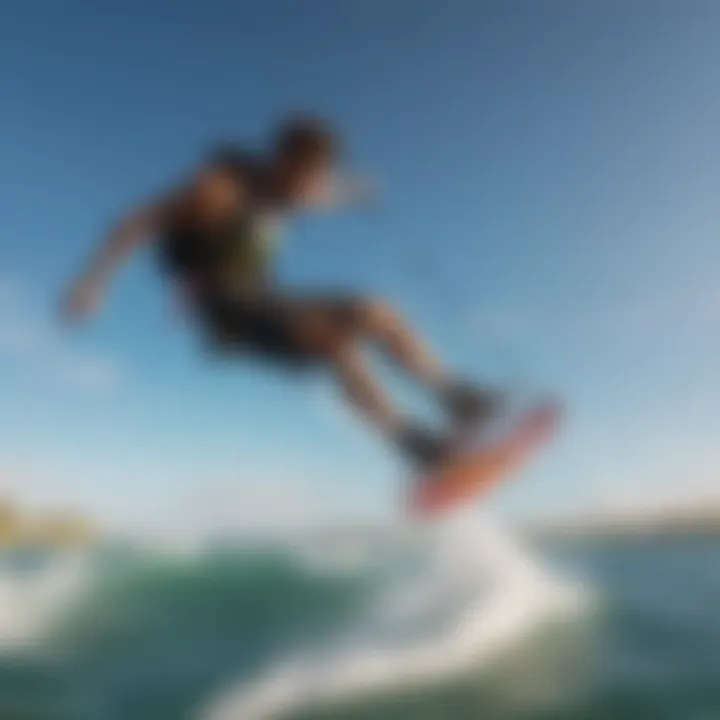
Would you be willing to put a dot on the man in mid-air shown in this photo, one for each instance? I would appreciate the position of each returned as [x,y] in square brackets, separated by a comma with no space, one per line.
[215,239]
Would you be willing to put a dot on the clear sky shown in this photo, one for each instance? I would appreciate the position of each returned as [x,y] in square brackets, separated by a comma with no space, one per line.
[549,173]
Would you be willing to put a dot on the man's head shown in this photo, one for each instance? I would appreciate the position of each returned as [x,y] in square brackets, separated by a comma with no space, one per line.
[305,152]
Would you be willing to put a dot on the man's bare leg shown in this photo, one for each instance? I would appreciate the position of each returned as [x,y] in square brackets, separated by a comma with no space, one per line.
[340,344]
[363,392]
[380,323]
[366,396]
[319,333]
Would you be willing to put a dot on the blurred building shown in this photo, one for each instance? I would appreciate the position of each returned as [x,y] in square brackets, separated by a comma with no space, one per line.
[55,529]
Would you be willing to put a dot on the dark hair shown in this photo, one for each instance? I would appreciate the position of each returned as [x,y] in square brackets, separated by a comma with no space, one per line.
[306,139]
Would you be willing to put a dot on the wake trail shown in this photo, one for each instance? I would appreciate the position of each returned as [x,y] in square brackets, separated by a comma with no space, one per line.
[473,592]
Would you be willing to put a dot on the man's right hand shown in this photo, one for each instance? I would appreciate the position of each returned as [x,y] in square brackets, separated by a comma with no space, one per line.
[81,302]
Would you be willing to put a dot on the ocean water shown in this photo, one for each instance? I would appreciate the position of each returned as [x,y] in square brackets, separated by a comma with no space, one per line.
[460,623]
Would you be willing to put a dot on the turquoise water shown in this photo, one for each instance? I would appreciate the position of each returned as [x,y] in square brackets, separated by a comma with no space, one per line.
[154,638]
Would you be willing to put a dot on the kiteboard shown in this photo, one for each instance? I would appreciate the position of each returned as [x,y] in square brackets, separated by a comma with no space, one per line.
[481,464]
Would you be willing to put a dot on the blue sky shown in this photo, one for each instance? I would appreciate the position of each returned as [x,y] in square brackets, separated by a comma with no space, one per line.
[548,216]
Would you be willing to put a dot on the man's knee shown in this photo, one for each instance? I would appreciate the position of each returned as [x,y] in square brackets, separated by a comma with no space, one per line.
[376,316]
[326,339]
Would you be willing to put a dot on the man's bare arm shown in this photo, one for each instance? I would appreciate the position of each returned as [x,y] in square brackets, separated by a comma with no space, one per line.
[134,230]
[212,192]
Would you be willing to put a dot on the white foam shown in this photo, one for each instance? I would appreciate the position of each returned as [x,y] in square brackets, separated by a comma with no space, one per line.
[476,594]
[32,598]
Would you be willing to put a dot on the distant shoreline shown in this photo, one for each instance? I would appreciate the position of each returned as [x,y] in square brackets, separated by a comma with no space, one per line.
[677,524]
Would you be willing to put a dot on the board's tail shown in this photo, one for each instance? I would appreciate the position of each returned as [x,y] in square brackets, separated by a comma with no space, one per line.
[479,469]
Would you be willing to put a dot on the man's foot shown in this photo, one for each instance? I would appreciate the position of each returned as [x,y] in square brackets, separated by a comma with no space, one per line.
[424,449]
[469,407]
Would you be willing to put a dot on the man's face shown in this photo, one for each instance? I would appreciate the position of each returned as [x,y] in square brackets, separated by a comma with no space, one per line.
[309,184]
